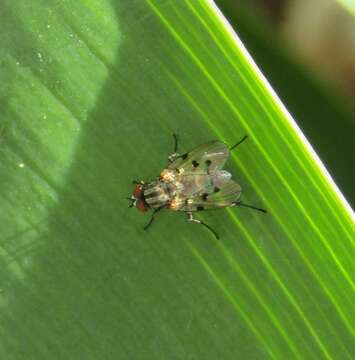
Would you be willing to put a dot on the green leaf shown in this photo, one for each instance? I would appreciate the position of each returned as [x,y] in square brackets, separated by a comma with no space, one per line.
[91,92]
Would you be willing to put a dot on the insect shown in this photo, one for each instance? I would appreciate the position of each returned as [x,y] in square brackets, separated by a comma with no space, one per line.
[192,182]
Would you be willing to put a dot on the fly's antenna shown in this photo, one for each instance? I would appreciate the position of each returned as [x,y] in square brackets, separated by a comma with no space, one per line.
[250,206]
[238,143]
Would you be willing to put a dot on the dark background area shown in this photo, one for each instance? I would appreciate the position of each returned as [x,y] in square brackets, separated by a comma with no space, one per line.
[309,59]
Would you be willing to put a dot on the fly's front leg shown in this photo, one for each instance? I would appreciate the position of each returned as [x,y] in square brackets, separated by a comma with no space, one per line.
[174,155]
[190,218]
[152,217]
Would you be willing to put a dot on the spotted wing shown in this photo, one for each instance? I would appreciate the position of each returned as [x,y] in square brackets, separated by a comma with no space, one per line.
[193,184]
[227,195]
[206,158]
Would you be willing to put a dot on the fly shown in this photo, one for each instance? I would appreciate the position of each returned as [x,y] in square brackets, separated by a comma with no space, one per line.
[194,181]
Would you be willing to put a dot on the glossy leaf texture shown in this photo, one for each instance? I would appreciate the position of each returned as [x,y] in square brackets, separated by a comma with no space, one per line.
[91,92]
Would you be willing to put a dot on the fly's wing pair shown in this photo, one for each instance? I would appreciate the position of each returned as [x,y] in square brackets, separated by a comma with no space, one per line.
[206,161]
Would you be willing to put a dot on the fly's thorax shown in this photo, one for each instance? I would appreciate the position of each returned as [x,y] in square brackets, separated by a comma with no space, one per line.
[168,175]
[159,193]
[177,203]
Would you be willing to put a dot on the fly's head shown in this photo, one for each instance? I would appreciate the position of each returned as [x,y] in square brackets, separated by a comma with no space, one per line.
[137,198]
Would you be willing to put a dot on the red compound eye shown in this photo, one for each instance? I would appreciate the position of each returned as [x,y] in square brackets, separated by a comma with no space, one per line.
[141,205]
[139,196]
[138,192]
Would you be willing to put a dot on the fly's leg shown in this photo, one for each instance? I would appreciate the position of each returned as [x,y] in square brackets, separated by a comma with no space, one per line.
[174,155]
[152,217]
[190,218]
[238,143]
[239,203]
[175,143]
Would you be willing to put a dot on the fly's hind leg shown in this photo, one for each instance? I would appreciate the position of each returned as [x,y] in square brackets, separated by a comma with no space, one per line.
[190,218]
[239,203]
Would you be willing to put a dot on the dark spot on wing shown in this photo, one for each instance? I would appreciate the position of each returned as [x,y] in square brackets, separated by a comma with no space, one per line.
[204,196]
[216,189]
[200,208]
[195,163]
[184,156]
[208,162]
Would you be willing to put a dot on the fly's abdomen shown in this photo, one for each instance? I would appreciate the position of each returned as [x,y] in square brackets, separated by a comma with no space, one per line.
[156,194]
